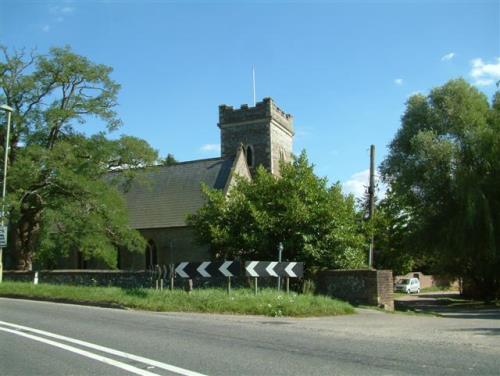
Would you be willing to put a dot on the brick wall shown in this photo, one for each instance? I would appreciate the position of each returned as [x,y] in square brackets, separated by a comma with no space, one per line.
[370,287]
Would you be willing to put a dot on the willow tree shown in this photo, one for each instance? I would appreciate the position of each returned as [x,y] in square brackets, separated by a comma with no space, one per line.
[444,168]
[59,199]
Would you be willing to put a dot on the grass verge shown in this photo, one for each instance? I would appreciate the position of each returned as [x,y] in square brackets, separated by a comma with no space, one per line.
[439,289]
[241,301]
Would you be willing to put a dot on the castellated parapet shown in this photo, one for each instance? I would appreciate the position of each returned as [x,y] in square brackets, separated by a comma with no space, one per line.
[265,131]
[267,109]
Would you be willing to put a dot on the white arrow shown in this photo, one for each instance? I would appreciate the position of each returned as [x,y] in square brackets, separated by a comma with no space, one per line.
[270,268]
[250,269]
[289,270]
[180,269]
[202,269]
[223,268]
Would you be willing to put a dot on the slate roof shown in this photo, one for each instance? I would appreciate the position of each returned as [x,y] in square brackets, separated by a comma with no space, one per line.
[165,195]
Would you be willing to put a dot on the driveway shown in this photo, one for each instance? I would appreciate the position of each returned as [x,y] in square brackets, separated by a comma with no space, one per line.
[446,304]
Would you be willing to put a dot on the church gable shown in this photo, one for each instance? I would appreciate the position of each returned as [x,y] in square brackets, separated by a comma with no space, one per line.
[240,168]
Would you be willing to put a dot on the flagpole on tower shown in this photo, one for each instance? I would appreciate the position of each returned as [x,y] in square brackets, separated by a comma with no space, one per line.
[253,77]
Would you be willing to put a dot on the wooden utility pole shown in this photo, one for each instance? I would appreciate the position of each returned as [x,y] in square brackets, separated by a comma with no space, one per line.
[371,200]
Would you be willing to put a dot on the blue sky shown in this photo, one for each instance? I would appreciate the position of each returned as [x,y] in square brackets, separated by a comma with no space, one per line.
[343,69]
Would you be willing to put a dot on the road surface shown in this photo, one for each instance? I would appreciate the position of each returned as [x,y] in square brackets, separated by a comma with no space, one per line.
[41,338]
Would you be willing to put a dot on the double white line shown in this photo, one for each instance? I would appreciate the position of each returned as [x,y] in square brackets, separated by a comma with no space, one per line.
[28,332]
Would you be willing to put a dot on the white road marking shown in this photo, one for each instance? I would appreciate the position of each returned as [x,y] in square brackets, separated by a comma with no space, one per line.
[137,358]
[78,351]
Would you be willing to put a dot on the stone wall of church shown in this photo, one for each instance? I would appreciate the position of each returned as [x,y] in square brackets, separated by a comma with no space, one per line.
[256,135]
[265,127]
[281,147]
[172,245]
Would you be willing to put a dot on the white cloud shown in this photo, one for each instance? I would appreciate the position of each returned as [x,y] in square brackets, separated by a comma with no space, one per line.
[45,28]
[210,147]
[448,56]
[59,12]
[485,74]
[398,81]
[358,183]
[67,10]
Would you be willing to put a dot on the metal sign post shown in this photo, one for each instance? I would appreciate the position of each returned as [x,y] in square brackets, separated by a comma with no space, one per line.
[280,252]
[172,275]
[8,110]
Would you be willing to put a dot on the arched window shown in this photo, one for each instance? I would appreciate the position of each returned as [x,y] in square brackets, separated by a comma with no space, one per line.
[250,156]
[151,255]
[282,154]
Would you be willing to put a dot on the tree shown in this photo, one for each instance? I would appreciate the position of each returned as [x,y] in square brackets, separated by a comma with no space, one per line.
[444,168]
[169,160]
[60,195]
[391,228]
[315,223]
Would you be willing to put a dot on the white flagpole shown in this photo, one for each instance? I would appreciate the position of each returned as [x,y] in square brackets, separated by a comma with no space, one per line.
[253,76]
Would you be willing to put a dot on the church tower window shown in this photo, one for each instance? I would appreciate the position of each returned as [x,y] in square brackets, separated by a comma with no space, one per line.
[249,152]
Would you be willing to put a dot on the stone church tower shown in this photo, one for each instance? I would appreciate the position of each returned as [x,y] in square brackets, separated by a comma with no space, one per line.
[265,132]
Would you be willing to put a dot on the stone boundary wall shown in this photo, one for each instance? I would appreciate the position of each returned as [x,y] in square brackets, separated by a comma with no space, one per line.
[118,278]
[135,279]
[363,286]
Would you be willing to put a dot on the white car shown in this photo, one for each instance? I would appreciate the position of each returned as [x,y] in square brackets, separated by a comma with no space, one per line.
[408,285]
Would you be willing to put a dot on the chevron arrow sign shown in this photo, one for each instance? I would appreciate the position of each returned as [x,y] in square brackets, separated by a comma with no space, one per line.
[208,269]
[274,269]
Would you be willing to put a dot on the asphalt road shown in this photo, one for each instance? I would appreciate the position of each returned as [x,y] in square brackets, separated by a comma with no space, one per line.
[100,341]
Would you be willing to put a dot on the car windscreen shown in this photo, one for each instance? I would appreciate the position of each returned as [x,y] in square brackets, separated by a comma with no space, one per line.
[404,282]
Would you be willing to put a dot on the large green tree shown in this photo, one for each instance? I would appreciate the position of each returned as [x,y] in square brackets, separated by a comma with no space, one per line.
[444,168]
[391,227]
[61,198]
[316,223]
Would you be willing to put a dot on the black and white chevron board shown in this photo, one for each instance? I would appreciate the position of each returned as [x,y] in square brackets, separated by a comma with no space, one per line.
[208,269]
[274,269]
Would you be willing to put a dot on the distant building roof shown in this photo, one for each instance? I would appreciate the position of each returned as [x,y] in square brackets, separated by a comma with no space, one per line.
[165,195]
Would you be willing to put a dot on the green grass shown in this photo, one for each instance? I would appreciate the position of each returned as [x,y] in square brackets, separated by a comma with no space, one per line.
[241,301]
[439,289]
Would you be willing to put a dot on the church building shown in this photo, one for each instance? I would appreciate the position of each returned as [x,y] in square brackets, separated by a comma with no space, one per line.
[159,203]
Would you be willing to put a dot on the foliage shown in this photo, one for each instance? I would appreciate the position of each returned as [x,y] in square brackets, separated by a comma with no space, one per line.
[241,301]
[391,228]
[444,169]
[316,223]
[59,199]
[169,160]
